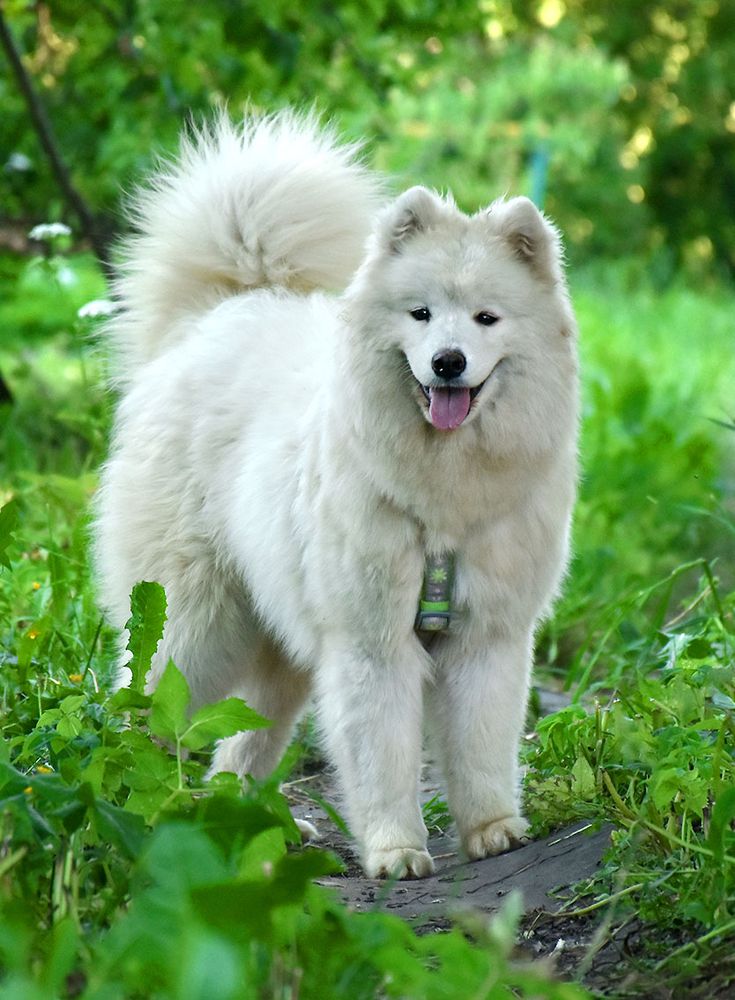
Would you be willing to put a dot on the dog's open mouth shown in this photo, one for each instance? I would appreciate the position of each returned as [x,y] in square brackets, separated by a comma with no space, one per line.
[449,405]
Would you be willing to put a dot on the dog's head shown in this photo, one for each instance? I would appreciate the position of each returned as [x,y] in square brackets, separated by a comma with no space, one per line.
[462,301]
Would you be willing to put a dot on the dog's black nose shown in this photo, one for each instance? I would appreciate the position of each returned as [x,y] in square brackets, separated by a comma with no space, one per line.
[448,364]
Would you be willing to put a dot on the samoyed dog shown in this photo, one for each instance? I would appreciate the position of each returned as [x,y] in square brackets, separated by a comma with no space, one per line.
[332,404]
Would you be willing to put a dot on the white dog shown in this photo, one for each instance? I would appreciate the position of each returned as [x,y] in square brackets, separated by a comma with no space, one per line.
[288,463]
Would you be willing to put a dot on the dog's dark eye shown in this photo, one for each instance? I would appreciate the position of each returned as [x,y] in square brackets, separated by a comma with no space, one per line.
[422,314]
[486,319]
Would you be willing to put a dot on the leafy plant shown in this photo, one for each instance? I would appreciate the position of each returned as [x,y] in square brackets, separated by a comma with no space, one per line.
[657,758]
[436,814]
[629,116]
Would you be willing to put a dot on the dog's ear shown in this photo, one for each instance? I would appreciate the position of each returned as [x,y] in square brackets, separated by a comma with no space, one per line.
[415,211]
[530,236]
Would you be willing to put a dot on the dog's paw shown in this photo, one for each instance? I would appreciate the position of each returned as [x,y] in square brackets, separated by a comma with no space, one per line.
[307,830]
[496,837]
[399,862]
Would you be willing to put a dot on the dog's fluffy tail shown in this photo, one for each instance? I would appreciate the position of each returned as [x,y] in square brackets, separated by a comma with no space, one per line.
[272,202]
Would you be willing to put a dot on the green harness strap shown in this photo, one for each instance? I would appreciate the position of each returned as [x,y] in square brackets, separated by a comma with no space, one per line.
[435,603]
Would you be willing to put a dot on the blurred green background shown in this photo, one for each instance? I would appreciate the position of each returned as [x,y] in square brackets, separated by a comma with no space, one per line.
[619,116]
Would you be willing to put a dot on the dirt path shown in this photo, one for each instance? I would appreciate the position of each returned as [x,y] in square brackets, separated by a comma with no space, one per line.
[543,871]
[540,870]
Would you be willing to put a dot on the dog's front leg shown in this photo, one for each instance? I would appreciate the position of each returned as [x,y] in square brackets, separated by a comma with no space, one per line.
[479,704]
[371,709]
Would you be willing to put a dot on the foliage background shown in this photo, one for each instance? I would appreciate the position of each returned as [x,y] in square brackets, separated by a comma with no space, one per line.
[631,104]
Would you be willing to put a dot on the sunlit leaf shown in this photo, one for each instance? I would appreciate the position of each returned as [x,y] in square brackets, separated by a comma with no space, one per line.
[145,625]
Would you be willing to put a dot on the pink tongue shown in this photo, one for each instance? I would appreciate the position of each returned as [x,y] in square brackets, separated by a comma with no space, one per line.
[448,407]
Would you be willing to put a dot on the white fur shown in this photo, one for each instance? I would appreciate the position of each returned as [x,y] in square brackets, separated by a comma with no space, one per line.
[274,467]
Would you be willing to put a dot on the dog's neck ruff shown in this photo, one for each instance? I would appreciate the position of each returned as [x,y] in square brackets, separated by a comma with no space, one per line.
[435,604]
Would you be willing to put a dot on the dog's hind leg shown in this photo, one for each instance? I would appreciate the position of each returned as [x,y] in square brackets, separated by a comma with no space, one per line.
[277,691]
[214,638]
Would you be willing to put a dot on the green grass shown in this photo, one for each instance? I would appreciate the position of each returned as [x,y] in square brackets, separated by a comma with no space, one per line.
[123,875]
[658,471]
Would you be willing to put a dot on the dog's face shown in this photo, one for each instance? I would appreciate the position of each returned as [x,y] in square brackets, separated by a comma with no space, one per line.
[463,301]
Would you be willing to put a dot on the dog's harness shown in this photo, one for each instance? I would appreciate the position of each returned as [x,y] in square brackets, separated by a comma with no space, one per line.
[435,604]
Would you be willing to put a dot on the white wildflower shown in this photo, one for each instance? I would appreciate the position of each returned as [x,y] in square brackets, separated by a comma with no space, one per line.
[19,162]
[66,276]
[49,231]
[97,307]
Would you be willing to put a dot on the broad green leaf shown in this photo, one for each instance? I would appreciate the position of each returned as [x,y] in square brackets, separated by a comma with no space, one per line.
[169,703]
[178,856]
[243,909]
[124,829]
[231,821]
[68,727]
[147,618]
[268,793]
[11,780]
[49,718]
[72,703]
[126,700]
[151,779]
[264,849]
[62,956]
[9,520]
[32,640]
[153,766]
[103,769]
[720,828]
[583,779]
[224,718]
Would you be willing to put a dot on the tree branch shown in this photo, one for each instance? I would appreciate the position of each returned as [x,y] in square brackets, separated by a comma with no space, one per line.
[89,224]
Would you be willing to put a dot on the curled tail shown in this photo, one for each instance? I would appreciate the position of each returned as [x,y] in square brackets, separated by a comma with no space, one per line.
[272,202]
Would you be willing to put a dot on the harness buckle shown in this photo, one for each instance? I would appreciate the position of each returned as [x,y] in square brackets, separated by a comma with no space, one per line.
[433,621]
